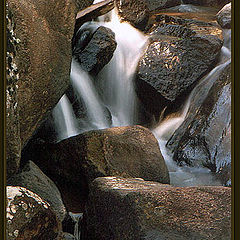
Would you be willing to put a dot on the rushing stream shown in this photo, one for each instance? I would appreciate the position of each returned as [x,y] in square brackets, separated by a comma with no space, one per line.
[115,92]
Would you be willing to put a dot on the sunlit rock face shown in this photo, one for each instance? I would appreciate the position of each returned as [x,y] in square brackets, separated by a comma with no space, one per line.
[224,16]
[43,57]
[137,12]
[133,209]
[203,139]
[29,216]
[180,52]
[32,178]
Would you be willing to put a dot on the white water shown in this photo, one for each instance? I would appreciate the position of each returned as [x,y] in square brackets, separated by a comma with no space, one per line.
[84,88]
[116,78]
[76,217]
[64,119]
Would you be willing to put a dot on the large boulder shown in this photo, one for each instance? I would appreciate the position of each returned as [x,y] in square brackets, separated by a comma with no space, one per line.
[224,16]
[43,57]
[180,52]
[203,139]
[29,216]
[13,141]
[132,209]
[32,178]
[97,52]
[137,12]
[122,151]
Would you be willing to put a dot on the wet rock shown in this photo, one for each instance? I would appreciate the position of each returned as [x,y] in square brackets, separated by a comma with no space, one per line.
[224,16]
[208,3]
[137,12]
[32,178]
[43,57]
[29,216]
[180,52]
[92,12]
[68,224]
[122,151]
[203,139]
[134,11]
[128,209]
[98,51]
[13,141]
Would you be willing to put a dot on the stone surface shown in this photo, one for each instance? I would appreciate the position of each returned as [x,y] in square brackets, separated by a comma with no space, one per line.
[43,57]
[93,11]
[98,52]
[68,236]
[180,52]
[29,216]
[74,162]
[224,16]
[134,11]
[161,4]
[127,209]
[13,141]
[209,3]
[203,139]
[32,178]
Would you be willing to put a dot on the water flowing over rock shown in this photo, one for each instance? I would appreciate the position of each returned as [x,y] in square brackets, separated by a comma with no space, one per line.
[203,138]
[13,141]
[133,209]
[209,3]
[224,16]
[180,52]
[98,51]
[32,178]
[43,57]
[29,216]
[121,151]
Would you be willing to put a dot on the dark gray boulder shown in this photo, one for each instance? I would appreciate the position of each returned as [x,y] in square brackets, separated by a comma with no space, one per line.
[97,52]
[179,54]
[203,139]
[133,209]
[208,3]
[224,16]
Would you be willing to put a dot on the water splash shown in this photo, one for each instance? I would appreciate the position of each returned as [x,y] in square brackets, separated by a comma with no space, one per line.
[76,217]
[64,119]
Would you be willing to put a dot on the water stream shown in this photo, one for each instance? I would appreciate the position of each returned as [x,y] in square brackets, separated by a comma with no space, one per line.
[113,89]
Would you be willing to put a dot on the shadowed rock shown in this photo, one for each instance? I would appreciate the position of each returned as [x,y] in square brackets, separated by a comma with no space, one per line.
[133,209]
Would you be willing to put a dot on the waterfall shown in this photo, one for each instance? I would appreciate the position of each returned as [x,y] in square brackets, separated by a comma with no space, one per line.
[116,78]
[64,119]
[84,88]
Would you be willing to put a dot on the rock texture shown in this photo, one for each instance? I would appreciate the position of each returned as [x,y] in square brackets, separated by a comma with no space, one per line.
[180,52]
[203,139]
[29,216]
[126,151]
[137,12]
[13,141]
[98,52]
[32,178]
[224,16]
[43,57]
[208,3]
[131,209]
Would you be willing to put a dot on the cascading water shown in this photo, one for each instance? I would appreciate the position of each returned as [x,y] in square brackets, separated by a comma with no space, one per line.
[64,119]
[113,88]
